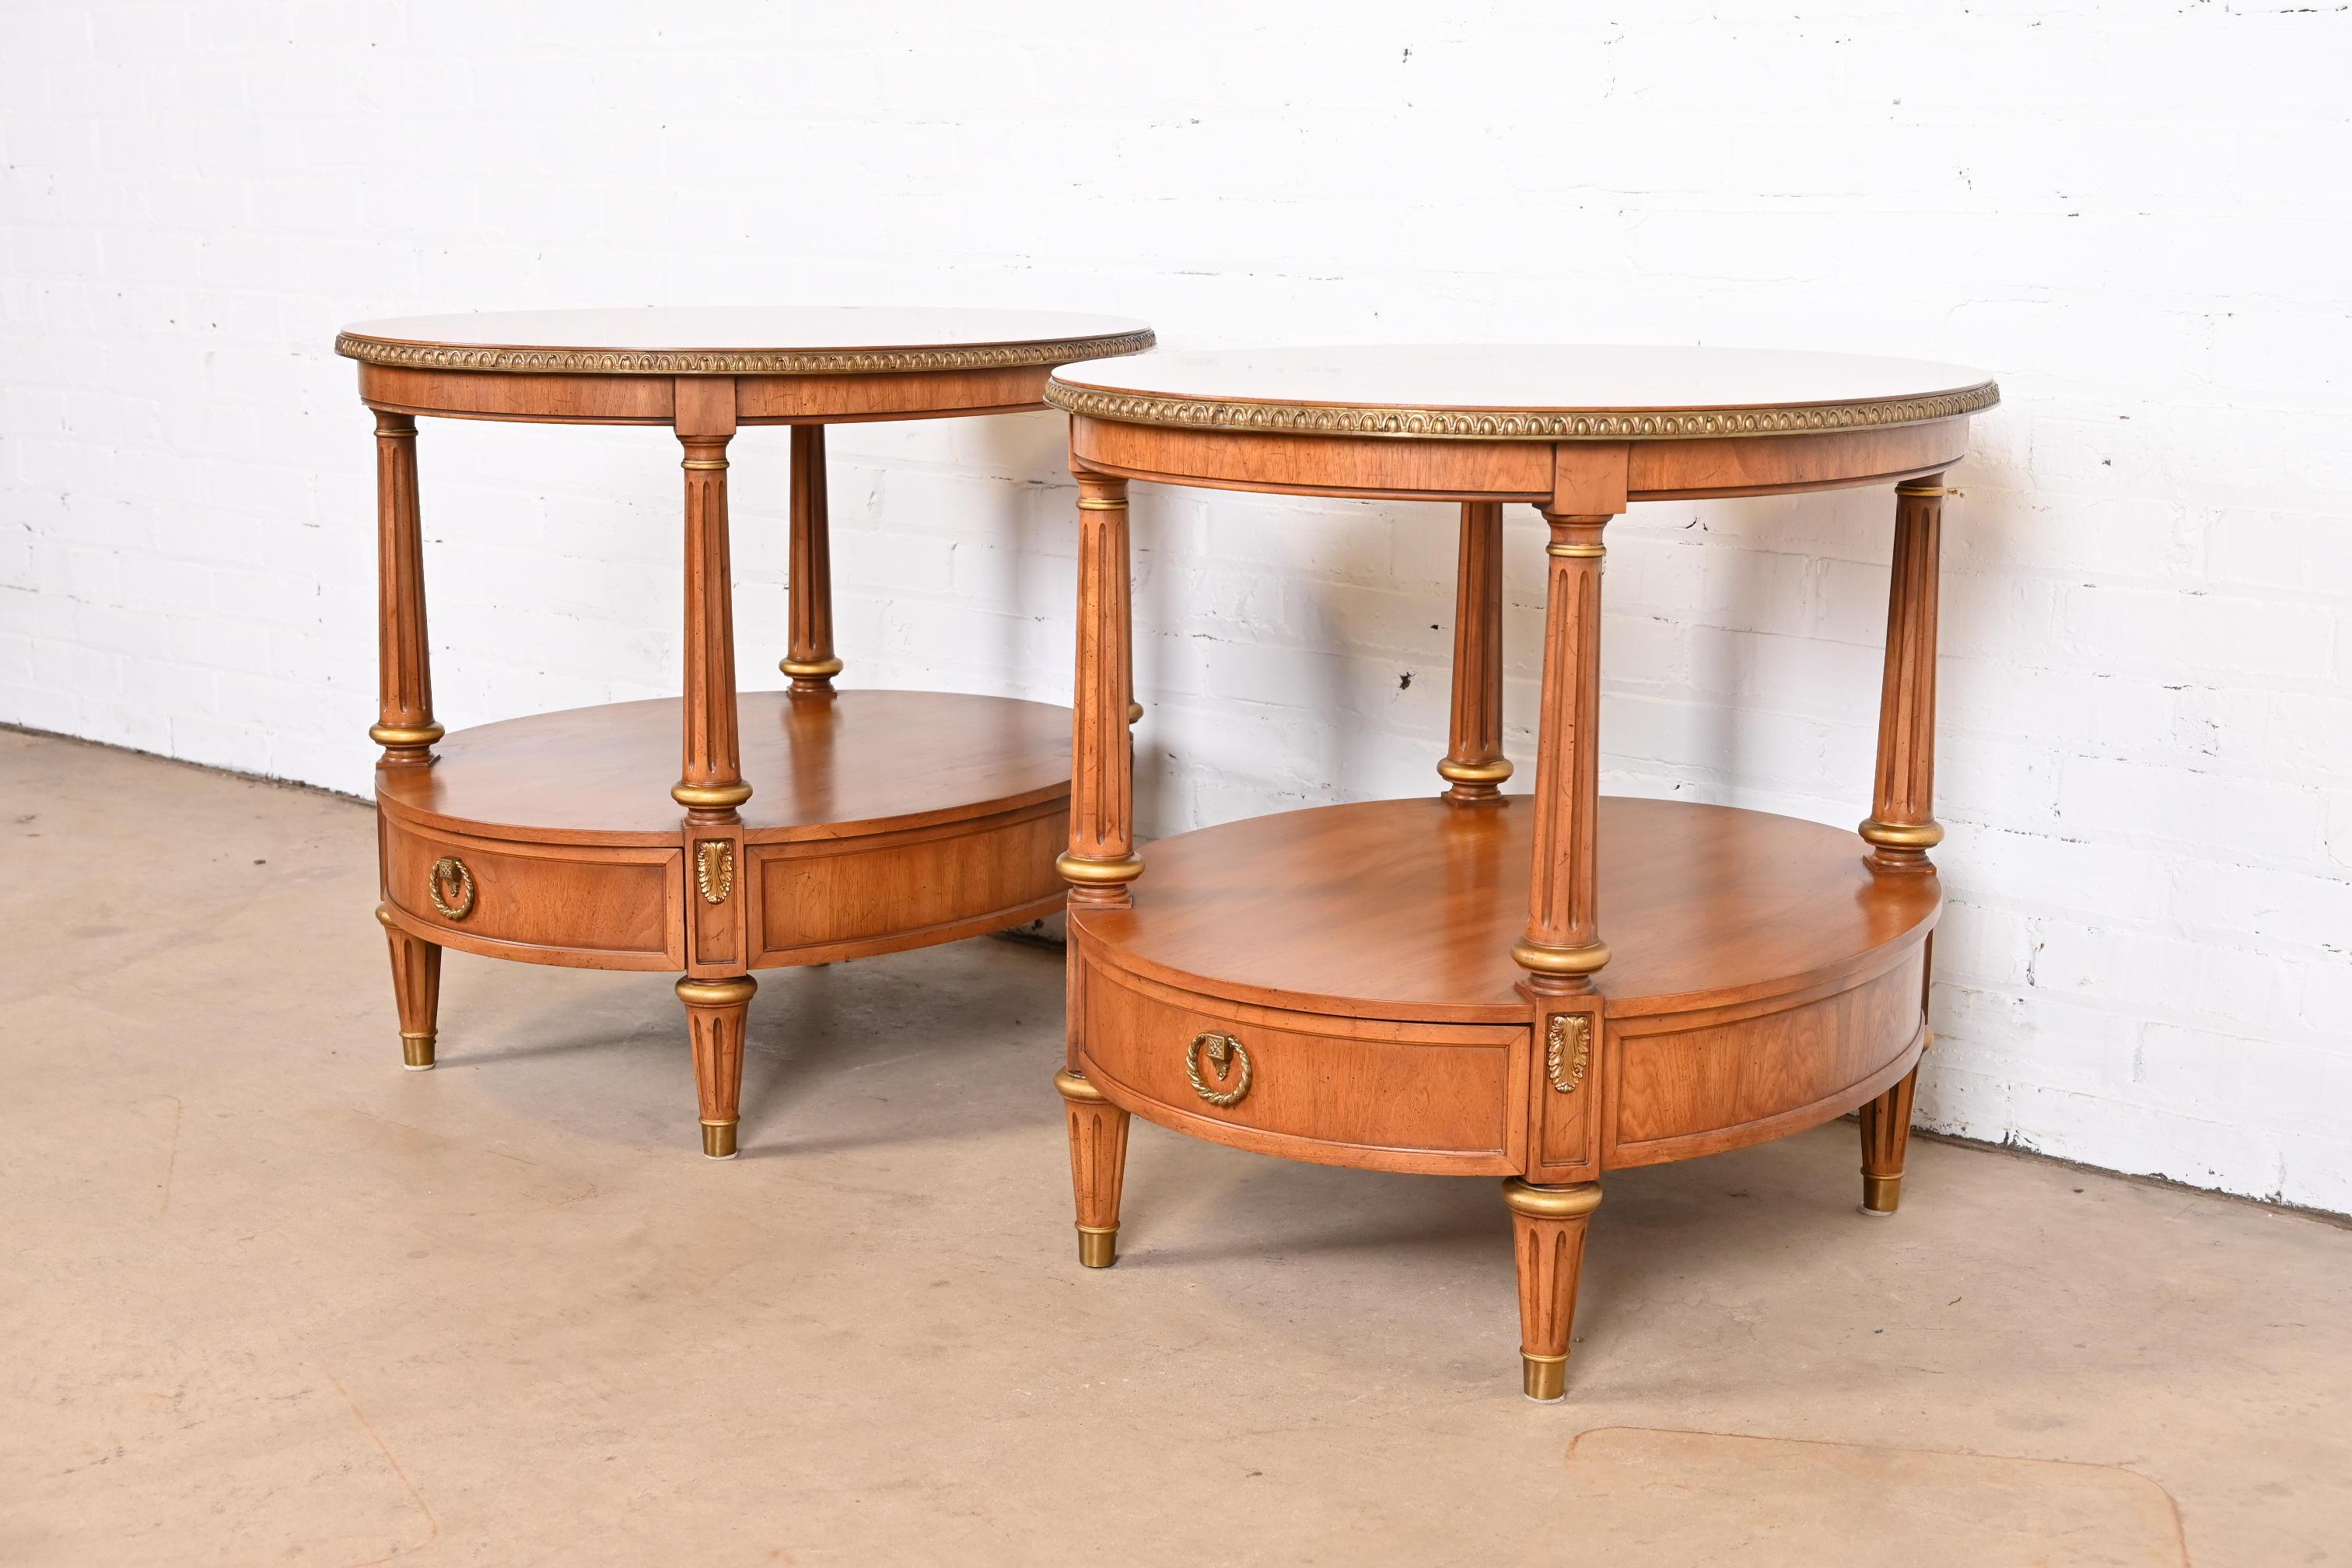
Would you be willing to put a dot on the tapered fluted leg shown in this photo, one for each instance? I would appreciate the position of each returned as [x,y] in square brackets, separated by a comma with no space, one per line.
[1886,1135]
[716,1011]
[1548,1233]
[416,989]
[1097,1167]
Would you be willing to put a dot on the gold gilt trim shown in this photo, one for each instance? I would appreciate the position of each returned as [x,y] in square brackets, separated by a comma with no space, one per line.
[1503,425]
[714,870]
[1568,1031]
[736,361]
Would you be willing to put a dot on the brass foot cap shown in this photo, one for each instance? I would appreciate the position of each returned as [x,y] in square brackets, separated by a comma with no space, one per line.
[719,1139]
[1097,1248]
[417,1052]
[1543,1377]
[1880,1195]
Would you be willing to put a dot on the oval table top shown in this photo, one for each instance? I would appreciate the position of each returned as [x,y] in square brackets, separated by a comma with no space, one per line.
[1519,391]
[783,340]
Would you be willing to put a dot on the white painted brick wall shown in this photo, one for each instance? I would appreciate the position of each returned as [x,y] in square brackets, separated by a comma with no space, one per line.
[2136,215]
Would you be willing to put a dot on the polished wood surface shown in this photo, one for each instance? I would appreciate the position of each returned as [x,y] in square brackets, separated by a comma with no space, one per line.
[1432,1098]
[1407,908]
[863,761]
[711,835]
[1657,980]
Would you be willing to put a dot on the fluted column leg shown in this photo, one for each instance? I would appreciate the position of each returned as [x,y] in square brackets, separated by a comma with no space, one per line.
[1097,1167]
[1885,1139]
[415,990]
[404,726]
[811,662]
[1101,860]
[1548,1227]
[1475,767]
[716,1014]
[717,990]
[1902,825]
[1562,948]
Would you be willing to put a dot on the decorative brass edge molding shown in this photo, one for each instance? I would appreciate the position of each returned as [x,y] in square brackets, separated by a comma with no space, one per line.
[1224,1051]
[714,863]
[1569,1051]
[1501,424]
[736,361]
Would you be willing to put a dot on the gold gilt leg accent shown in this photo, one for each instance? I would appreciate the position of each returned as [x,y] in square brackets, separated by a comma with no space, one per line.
[1548,1227]
[1885,1137]
[716,1012]
[415,990]
[1097,1167]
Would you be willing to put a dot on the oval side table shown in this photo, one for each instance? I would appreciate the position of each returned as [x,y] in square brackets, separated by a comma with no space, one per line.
[724,832]
[1424,986]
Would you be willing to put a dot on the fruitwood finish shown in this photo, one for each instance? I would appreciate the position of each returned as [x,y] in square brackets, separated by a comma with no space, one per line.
[722,831]
[1424,985]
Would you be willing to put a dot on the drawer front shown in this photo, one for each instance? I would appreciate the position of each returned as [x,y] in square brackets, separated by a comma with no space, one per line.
[1433,1098]
[820,899]
[589,906]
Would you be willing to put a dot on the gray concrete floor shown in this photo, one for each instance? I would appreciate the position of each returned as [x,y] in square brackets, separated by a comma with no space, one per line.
[268,1298]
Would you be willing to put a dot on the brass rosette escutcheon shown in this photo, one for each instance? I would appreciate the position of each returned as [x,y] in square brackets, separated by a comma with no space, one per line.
[1228,1059]
[450,873]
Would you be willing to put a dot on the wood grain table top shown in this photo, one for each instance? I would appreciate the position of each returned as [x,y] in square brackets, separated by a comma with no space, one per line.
[1519,391]
[783,340]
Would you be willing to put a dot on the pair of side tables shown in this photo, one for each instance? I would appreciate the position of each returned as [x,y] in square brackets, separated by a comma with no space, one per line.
[1418,985]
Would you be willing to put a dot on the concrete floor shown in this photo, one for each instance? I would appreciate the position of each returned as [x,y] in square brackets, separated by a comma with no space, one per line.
[267,1298]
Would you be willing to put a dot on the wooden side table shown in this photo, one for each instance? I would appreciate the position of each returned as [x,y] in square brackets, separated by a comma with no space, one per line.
[725,832]
[1422,984]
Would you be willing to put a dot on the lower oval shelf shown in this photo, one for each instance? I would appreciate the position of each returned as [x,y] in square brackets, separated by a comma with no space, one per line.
[878,820]
[1764,979]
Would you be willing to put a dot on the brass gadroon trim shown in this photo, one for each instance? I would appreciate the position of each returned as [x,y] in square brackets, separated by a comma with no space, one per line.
[450,869]
[1516,424]
[404,734]
[1567,1051]
[1226,1055]
[810,668]
[735,361]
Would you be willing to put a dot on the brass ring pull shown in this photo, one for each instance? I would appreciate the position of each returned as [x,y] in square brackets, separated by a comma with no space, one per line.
[1226,1057]
[449,868]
